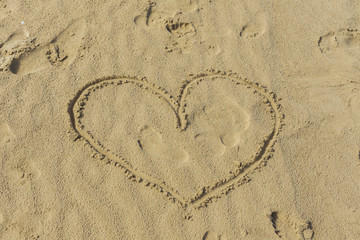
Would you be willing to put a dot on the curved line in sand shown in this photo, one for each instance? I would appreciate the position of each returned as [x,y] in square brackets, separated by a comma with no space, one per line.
[76,108]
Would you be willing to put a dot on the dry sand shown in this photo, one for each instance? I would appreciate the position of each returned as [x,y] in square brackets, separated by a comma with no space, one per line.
[170,119]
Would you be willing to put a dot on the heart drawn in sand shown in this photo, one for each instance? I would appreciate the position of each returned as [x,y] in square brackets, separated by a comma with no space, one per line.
[193,148]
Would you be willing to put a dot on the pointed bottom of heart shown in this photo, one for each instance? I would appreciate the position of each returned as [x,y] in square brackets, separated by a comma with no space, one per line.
[194,148]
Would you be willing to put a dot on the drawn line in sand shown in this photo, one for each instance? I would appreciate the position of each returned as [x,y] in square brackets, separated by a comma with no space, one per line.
[207,194]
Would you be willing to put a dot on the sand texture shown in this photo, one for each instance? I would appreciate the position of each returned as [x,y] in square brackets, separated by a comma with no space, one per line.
[180,119]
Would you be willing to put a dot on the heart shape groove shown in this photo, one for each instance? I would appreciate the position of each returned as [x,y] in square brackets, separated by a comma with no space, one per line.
[219,142]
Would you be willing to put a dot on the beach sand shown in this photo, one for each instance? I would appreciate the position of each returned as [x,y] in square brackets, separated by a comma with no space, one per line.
[169,119]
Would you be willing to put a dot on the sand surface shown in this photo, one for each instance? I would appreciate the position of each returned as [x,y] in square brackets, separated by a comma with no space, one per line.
[196,119]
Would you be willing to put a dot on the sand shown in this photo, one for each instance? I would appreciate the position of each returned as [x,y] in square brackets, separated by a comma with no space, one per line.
[170,119]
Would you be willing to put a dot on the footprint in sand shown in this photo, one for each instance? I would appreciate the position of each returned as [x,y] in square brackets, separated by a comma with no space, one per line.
[227,123]
[354,108]
[163,15]
[255,28]
[26,172]
[343,39]
[152,143]
[287,227]
[23,224]
[6,135]
[181,38]
[180,29]
[157,13]
[6,7]
[61,51]
[15,45]
[210,235]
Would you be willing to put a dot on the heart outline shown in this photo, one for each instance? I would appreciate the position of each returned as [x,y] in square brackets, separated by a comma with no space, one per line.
[239,176]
